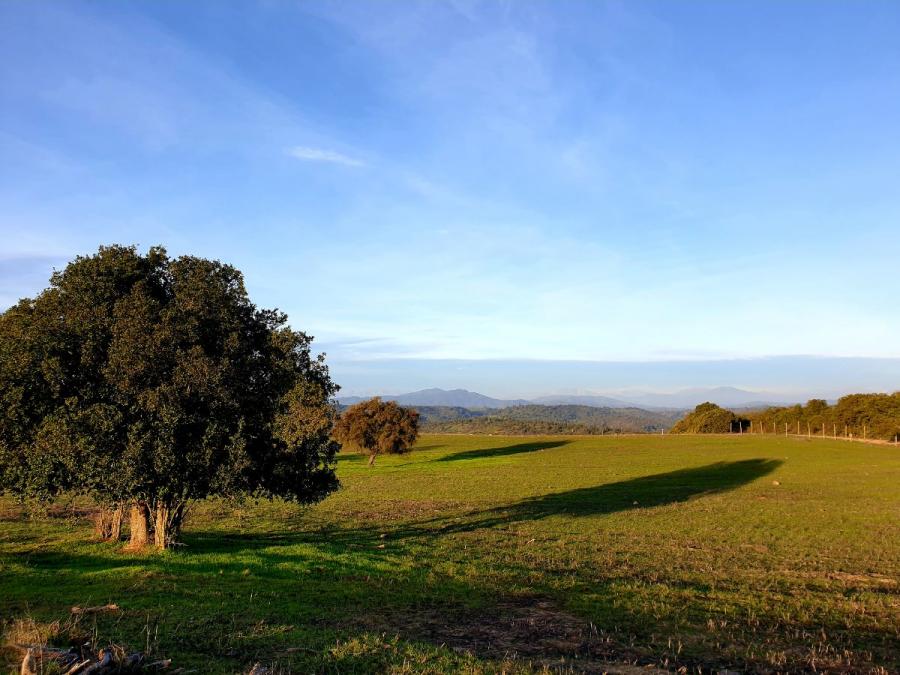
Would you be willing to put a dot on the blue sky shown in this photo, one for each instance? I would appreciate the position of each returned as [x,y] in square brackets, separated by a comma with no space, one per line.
[431,183]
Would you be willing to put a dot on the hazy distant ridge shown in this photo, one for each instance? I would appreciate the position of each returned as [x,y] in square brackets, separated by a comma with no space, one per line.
[456,398]
[680,400]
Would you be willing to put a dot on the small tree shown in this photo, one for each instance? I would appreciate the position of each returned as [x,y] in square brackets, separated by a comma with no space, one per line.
[375,426]
[148,383]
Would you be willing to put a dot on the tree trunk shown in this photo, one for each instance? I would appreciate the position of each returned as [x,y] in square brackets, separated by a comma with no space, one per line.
[115,530]
[161,535]
[140,525]
[167,523]
[109,523]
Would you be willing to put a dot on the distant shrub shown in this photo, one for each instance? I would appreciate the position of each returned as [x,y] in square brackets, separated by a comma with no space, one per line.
[708,418]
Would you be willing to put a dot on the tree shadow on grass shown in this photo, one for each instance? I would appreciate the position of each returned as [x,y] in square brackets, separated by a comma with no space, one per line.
[636,493]
[350,456]
[433,446]
[347,456]
[216,552]
[365,540]
[644,492]
[648,491]
[502,452]
[672,487]
[231,599]
[655,490]
[315,594]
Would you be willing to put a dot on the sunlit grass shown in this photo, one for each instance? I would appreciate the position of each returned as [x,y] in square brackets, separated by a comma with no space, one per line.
[756,553]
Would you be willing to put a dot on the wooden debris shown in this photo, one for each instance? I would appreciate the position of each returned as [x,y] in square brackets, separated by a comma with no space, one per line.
[78,667]
[160,665]
[37,660]
[102,664]
[29,665]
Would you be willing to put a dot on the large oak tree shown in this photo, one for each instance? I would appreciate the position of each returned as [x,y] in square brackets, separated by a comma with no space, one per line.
[149,382]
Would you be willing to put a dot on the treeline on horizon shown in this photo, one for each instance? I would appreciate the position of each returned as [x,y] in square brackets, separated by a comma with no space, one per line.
[501,426]
[875,416]
[867,416]
[544,419]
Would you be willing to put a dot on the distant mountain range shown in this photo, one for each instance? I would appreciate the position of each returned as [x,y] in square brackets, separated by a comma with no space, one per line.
[455,398]
[680,400]
[728,397]
[593,401]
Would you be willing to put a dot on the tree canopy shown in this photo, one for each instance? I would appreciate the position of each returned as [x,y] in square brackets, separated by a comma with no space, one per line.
[874,416]
[374,427]
[153,381]
[708,418]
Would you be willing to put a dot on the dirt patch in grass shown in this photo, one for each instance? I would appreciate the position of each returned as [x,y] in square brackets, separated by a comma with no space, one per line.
[531,629]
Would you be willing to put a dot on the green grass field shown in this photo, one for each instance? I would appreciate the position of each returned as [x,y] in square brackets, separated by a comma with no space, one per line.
[758,554]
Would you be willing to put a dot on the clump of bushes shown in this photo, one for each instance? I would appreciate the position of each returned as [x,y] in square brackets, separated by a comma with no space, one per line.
[871,416]
[708,418]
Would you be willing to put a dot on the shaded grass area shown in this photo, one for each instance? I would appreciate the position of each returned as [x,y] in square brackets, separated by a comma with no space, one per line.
[568,552]
[505,451]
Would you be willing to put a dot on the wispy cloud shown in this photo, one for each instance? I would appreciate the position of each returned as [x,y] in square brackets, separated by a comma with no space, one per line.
[319,155]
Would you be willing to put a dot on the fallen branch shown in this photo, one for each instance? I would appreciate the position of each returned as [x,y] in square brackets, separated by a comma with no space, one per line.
[101,665]
[77,667]
[37,659]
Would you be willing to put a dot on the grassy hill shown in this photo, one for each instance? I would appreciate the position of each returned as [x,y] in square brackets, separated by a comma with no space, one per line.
[477,554]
